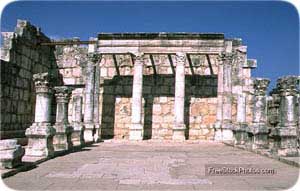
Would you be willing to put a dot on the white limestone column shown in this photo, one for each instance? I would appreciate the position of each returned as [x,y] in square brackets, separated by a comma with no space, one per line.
[286,133]
[40,133]
[78,128]
[96,103]
[179,126]
[89,100]
[259,127]
[136,129]
[62,139]
[89,124]
[219,116]
[227,57]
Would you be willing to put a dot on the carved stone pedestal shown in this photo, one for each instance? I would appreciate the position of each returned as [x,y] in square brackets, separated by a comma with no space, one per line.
[179,133]
[285,142]
[77,134]
[259,136]
[240,134]
[62,139]
[40,140]
[89,132]
[136,132]
[10,153]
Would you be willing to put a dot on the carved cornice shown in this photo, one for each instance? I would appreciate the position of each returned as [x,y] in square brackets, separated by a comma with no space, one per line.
[260,86]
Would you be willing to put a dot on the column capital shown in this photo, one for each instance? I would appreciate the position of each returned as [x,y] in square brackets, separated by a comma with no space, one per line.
[226,56]
[62,94]
[287,85]
[260,86]
[180,58]
[138,57]
[94,57]
[42,82]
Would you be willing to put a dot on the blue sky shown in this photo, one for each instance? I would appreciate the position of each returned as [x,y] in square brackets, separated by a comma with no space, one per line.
[269,29]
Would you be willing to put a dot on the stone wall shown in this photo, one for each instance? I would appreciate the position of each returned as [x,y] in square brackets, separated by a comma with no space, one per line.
[21,57]
[158,97]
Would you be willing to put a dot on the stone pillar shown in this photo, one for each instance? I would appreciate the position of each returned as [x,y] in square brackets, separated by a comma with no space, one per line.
[240,135]
[89,98]
[218,124]
[78,128]
[227,59]
[273,108]
[179,126]
[259,128]
[62,139]
[136,129]
[286,132]
[10,153]
[240,128]
[40,133]
[97,134]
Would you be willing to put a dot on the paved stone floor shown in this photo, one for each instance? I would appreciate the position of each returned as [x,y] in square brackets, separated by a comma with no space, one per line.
[151,166]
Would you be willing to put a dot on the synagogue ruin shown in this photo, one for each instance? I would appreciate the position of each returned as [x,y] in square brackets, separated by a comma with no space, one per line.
[138,86]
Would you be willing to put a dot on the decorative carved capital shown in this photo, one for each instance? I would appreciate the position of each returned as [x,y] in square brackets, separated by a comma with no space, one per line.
[260,86]
[42,82]
[139,58]
[180,58]
[94,57]
[226,57]
[287,85]
[62,94]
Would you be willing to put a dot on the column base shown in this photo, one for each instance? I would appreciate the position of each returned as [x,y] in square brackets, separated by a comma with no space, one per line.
[40,140]
[88,133]
[286,142]
[62,138]
[240,134]
[97,133]
[260,141]
[136,132]
[179,132]
[77,135]
[240,137]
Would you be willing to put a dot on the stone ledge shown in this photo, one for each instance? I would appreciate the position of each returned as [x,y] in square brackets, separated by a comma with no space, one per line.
[159,36]
[293,161]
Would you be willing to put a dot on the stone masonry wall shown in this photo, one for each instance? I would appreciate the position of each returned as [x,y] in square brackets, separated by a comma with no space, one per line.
[158,97]
[21,57]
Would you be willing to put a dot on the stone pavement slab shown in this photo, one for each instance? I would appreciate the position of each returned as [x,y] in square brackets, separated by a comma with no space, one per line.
[152,166]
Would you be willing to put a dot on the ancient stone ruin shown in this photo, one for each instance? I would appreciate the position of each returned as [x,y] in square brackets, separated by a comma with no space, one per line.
[139,86]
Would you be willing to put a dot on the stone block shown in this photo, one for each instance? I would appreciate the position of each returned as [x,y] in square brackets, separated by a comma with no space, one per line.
[10,153]
[40,140]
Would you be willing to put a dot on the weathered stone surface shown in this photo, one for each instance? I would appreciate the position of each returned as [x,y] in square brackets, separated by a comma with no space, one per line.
[62,139]
[258,129]
[10,153]
[286,132]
